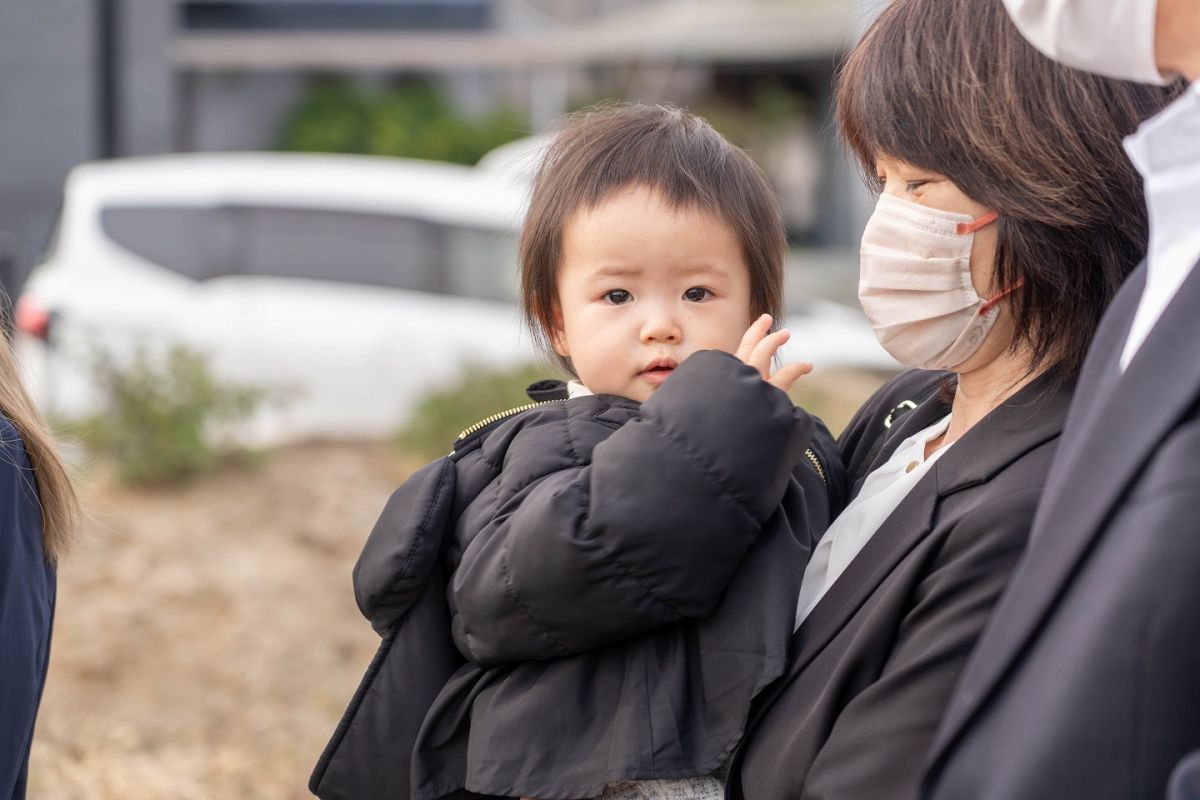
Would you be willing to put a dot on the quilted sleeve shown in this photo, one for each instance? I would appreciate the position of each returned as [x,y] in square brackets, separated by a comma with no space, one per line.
[405,545]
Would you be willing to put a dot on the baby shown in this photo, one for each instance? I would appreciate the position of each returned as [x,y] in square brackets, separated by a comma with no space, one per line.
[551,627]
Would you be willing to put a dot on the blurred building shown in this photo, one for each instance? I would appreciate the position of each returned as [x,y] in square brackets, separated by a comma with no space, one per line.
[99,78]
[47,109]
[239,71]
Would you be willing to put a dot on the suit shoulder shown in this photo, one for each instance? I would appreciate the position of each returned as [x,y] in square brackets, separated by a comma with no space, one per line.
[10,437]
[911,385]
[14,459]
[899,395]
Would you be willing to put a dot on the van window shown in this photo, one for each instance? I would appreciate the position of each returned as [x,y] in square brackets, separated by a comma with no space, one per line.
[319,244]
[481,264]
[194,241]
[371,249]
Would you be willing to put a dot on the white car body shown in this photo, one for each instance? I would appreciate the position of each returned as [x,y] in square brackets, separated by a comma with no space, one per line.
[352,358]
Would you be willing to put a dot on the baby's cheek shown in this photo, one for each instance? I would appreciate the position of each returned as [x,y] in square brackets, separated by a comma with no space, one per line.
[728,343]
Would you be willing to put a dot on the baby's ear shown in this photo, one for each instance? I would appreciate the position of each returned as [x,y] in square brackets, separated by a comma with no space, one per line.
[558,336]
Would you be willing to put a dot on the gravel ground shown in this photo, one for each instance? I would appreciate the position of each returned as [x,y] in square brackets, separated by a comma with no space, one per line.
[206,639]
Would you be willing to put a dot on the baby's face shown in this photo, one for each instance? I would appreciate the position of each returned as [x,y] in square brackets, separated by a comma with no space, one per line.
[642,286]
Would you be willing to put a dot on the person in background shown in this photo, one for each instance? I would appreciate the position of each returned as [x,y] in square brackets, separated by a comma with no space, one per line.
[37,515]
[1086,682]
[1007,219]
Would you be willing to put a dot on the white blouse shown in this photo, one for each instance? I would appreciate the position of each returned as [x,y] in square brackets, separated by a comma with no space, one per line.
[881,492]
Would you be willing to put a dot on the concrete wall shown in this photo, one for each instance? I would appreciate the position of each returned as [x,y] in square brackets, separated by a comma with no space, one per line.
[232,111]
[146,86]
[47,98]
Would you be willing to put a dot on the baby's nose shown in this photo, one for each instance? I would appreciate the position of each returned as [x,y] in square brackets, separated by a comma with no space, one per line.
[661,327]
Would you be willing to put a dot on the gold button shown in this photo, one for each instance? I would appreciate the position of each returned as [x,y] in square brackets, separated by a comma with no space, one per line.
[912,466]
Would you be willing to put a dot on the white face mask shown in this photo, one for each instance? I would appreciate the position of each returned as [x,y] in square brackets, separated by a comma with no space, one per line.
[915,284]
[1108,37]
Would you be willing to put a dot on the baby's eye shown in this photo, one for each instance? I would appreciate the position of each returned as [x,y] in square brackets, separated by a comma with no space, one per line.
[617,297]
[697,294]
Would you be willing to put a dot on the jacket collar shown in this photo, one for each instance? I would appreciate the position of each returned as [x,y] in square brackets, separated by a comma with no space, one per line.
[1026,420]
[1030,417]
[1108,440]
[928,412]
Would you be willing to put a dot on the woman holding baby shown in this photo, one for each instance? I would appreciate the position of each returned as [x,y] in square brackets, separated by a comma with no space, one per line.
[1008,217]
[633,593]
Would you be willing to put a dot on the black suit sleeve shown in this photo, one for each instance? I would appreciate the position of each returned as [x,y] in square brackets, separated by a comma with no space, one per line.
[649,533]
[881,737]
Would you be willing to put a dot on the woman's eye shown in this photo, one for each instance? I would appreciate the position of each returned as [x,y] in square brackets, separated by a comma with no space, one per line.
[618,297]
[914,185]
[696,294]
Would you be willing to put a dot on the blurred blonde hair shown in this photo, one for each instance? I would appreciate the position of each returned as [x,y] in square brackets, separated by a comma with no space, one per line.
[56,493]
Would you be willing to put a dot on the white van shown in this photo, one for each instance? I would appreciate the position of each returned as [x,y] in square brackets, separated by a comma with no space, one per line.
[353,283]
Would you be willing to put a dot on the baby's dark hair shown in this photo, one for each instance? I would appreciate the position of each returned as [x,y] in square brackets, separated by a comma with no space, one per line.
[604,150]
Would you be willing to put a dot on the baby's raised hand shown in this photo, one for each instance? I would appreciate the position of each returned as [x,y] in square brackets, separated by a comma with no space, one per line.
[759,347]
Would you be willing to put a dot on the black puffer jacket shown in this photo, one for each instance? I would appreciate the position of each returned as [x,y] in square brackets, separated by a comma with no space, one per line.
[581,667]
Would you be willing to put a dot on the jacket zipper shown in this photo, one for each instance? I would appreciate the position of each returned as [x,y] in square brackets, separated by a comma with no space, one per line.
[812,459]
[483,423]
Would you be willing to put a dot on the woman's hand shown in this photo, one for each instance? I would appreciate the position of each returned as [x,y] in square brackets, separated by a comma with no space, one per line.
[758,347]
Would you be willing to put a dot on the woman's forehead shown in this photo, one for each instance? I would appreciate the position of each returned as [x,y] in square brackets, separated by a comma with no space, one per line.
[888,163]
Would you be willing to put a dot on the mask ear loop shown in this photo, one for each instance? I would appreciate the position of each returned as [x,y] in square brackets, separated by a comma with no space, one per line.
[971,227]
[989,304]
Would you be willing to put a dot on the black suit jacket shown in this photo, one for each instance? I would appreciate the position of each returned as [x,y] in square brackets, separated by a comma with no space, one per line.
[873,665]
[1087,681]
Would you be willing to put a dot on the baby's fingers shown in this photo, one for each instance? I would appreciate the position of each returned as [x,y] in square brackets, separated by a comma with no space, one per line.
[788,374]
[765,350]
[753,335]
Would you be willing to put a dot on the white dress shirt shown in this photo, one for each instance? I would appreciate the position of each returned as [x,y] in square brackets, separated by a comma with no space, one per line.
[1166,150]
[881,492]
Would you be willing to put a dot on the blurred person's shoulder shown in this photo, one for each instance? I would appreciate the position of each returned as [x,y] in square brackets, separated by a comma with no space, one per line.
[13,446]
[8,431]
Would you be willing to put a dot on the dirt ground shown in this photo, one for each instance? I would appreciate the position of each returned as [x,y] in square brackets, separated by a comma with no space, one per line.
[206,639]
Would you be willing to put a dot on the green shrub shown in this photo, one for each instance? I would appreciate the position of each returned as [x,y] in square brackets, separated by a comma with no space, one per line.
[409,120]
[443,414]
[163,415]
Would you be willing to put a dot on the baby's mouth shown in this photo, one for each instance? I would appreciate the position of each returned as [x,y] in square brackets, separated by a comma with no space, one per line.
[658,370]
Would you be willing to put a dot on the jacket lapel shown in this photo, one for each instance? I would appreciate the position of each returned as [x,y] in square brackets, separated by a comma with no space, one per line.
[1023,422]
[920,418]
[1106,444]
